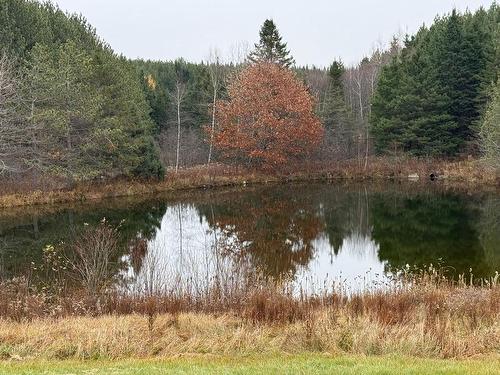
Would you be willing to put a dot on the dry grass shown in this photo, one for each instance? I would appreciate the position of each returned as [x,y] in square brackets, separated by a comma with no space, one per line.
[17,193]
[112,337]
[426,317]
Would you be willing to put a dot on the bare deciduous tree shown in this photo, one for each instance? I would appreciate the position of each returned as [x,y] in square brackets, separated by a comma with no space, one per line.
[360,82]
[178,96]
[10,131]
[216,79]
[238,53]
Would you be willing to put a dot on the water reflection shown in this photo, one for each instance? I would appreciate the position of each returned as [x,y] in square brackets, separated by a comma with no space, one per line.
[273,229]
[426,228]
[183,255]
[23,234]
[309,235]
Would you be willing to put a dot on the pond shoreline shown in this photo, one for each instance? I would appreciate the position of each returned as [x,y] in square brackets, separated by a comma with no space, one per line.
[458,174]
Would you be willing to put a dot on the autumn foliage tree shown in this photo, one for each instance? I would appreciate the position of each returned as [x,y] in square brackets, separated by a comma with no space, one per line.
[268,119]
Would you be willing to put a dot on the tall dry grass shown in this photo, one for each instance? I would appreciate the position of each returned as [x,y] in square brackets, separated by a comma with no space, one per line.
[424,315]
[463,324]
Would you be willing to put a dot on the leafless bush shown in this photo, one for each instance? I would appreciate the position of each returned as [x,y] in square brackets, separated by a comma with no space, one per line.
[93,251]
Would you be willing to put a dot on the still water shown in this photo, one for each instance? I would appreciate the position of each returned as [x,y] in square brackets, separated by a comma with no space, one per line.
[310,235]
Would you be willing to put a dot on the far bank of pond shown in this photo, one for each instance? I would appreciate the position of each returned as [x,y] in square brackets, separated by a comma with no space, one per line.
[465,175]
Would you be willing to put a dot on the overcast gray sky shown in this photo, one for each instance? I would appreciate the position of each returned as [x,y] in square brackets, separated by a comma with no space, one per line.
[317,31]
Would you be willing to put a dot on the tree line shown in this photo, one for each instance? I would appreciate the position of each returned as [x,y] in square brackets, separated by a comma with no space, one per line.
[427,95]
[431,98]
[342,97]
[71,107]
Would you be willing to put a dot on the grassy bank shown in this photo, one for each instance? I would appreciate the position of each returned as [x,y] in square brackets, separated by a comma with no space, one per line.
[133,336]
[421,323]
[469,172]
[426,318]
[286,364]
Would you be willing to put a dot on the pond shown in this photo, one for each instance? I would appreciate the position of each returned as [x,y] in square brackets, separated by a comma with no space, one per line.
[308,234]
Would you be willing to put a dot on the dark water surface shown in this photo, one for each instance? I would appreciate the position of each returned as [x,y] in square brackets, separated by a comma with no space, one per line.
[309,234]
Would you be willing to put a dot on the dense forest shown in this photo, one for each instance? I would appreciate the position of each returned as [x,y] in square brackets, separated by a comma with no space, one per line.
[71,107]
[432,96]
[342,101]
[423,95]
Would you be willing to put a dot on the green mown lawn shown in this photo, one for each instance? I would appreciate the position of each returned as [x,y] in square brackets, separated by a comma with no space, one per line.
[304,364]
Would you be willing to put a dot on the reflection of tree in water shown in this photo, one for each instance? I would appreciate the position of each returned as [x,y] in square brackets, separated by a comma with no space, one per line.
[23,237]
[184,257]
[489,228]
[424,228]
[346,214]
[273,228]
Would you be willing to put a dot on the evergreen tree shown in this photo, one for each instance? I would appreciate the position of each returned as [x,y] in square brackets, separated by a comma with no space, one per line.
[63,106]
[490,130]
[459,62]
[334,114]
[122,141]
[197,94]
[430,99]
[387,126]
[156,97]
[430,128]
[85,114]
[271,48]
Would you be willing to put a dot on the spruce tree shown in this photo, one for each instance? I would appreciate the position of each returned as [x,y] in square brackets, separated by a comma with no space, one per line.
[271,48]
[334,114]
[386,125]
[490,130]
[431,128]
[430,99]
[458,63]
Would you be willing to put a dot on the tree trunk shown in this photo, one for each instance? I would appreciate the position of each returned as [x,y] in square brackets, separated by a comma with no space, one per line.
[367,146]
[34,140]
[213,128]
[178,131]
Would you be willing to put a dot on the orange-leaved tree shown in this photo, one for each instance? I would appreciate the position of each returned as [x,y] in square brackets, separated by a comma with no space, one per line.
[268,119]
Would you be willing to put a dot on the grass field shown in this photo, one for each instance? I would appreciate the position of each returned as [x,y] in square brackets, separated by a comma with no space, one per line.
[301,364]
